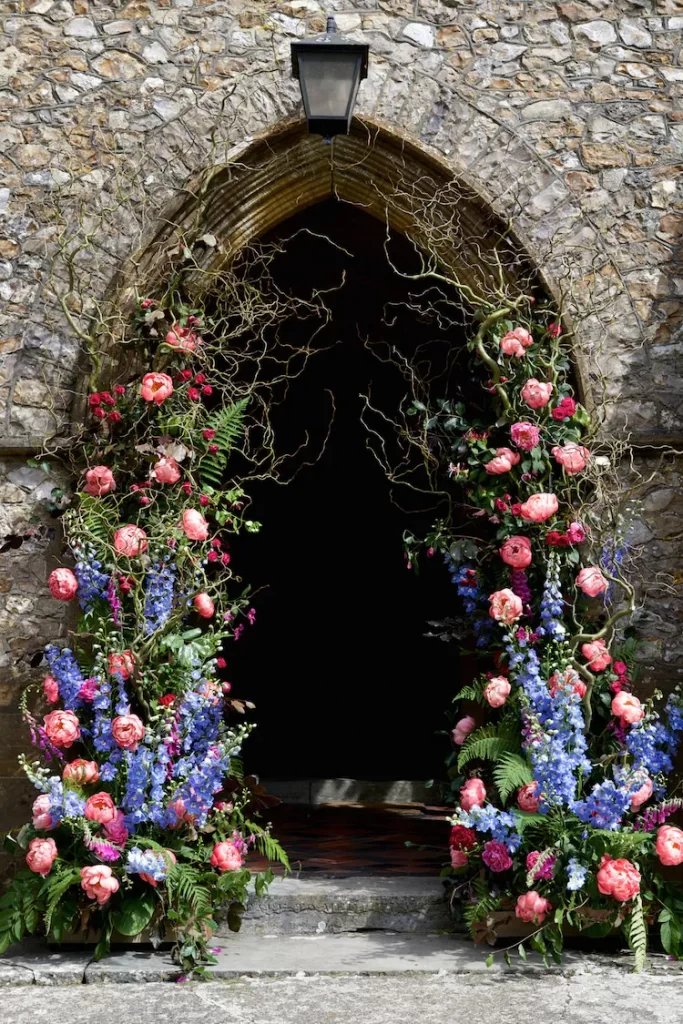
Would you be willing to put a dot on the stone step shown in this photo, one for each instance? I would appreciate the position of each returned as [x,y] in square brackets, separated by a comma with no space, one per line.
[316,906]
[315,792]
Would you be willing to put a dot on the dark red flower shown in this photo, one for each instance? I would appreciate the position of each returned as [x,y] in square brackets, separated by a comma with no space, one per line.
[99,413]
[204,500]
[167,699]
[193,394]
[108,398]
[207,390]
[114,416]
[200,378]
[213,448]
[120,389]
[94,400]
[463,838]
[212,556]
[516,509]
[186,487]
[216,543]
[221,663]
[502,506]
[208,434]
[225,558]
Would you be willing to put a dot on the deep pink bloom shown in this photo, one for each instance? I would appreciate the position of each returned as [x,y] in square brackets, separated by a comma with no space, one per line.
[525,435]
[495,855]
[545,872]
[63,584]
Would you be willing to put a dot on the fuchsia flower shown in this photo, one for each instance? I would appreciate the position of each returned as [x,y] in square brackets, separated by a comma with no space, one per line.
[572,457]
[502,462]
[462,730]
[226,857]
[130,540]
[63,584]
[515,342]
[167,471]
[618,878]
[62,728]
[495,855]
[516,551]
[539,507]
[532,907]
[506,607]
[195,525]
[545,872]
[497,691]
[591,581]
[535,394]
[156,387]
[525,435]
[565,410]
[42,853]
[98,882]
[99,481]
[669,845]
[88,689]
[472,794]
[115,830]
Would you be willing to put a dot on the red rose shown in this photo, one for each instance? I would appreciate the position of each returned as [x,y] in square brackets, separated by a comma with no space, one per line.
[207,390]
[120,389]
[213,448]
[516,509]
[200,378]
[463,838]
[208,434]
[167,699]
[99,413]
[108,398]
[193,394]
[94,401]
[114,416]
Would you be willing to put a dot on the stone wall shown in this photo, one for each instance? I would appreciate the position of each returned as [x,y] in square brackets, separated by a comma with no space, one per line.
[566,117]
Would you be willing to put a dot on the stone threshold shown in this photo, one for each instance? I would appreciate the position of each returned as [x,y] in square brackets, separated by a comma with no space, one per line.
[314,792]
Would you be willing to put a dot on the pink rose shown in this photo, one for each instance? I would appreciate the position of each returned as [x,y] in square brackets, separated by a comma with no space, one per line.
[127,731]
[532,907]
[495,856]
[62,728]
[527,799]
[576,533]
[525,435]
[472,794]
[51,689]
[502,462]
[204,605]
[130,540]
[183,339]
[42,853]
[572,457]
[170,858]
[166,471]
[591,581]
[462,730]
[156,387]
[539,507]
[122,664]
[497,691]
[669,845]
[42,819]
[536,394]
[618,878]
[515,342]
[516,551]
[226,857]
[597,655]
[195,525]
[506,607]
[99,481]
[63,584]
[459,859]
[81,772]
[116,830]
[627,708]
[100,807]
[98,882]
[642,795]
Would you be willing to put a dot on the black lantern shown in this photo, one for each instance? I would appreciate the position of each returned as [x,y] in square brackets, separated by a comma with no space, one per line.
[329,72]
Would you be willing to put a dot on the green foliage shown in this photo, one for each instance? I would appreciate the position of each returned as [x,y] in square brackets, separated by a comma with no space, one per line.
[510,773]
[228,423]
[636,934]
[21,908]
[57,884]
[134,914]
[95,520]
[482,905]
[269,846]
[489,743]
[619,844]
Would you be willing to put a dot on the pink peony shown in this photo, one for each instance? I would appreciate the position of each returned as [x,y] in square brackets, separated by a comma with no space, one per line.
[122,664]
[42,853]
[495,855]
[183,339]
[545,872]
[42,819]
[226,857]
[472,794]
[195,525]
[130,540]
[506,607]
[525,435]
[497,691]
[597,655]
[100,807]
[127,731]
[204,605]
[642,795]
[462,730]
[527,799]
[98,882]
[88,689]
[116,830]
[169,856]
[62,728]
[63,584]
[627,708]
[515,342]
[576,533]
[459,859]
[51,689]
[532,907]
[591,581]
[166,471]
[539,507]
[99,481]
[156,387]
[669,845]
[572,457]
[81,772]
[516,551]
[536,394]
[618,878]
[502,462]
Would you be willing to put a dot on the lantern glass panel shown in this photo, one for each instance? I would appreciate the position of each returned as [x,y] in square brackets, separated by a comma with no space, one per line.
[329,82]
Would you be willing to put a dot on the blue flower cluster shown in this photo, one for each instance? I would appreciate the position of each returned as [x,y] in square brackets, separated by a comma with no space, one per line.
[66,670]
[466,581]
[101,729]
[605,806]
[576,874]
[552,603]
[64,802]
[159,587]
[148,862]
[502,825]
[653,746]
[92,582]
[138,765]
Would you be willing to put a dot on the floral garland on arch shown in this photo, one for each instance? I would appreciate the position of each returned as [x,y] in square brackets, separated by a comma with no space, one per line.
[132,827]
[561,775]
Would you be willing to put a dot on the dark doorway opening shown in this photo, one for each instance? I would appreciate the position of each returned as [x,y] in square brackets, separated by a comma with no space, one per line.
[344,680]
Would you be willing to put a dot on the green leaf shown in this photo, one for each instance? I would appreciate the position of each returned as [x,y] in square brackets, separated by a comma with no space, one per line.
[489,960]
[489,743]
[228,423]
[134,914]
[637,934]
[521,950]
[511,772]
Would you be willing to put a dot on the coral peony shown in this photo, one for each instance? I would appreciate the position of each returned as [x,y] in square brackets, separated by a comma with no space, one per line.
[516,551]
[122,664]
[572,457]
[166,471]
[226,857]
[130,540]
[81,772]
[195,525]
[99,481]
[539,507]
[627,708]
[532,907]
[156,387]
[576,533]
[495,855]
[42,853]
[204,605]
[63,584]
[515,342]
[527,799]
[506,607]
[98,882]
[127,731]
[100,807]
[591,581]
[536,394]
[669,845]
[42,818]
[116,830]
[472,794]
[597,655]
[525,436]
[497,691]
[183,339]
[50,689]
[459,859]
[62,728]
[642,795]
[502,462]
[618,878]
[462,730]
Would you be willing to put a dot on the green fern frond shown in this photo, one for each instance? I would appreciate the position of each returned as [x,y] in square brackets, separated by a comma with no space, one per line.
[228,423]
[184,888]
[480,907]
[489,743]
[636,934]
[94,518]
[56,888]
[268,845]
[621,844]
[473,692]
[510,773]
